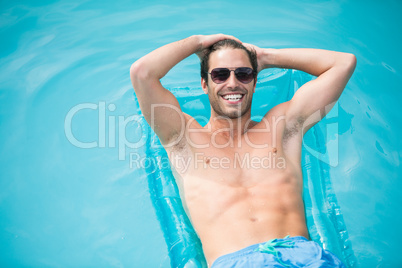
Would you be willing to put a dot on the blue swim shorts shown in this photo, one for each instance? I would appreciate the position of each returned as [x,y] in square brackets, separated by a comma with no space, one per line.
[285,252]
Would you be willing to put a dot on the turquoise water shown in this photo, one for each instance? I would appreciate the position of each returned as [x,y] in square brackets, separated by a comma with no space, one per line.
[68,196]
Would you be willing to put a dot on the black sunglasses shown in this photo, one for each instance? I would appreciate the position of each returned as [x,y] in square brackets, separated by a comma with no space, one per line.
[243,74]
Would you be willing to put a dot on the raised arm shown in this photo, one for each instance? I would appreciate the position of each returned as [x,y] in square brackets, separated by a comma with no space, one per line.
[315,98]
[158,105]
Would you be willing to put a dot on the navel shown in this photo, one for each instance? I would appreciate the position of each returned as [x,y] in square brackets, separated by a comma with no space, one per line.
[252,219]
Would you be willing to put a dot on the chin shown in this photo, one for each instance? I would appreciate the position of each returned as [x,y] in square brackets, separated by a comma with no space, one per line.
[230,112]
[234,114]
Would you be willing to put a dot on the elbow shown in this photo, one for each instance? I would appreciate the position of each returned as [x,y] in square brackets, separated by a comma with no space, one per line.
[138,72]
[140,76]
[350,61]
[346,63]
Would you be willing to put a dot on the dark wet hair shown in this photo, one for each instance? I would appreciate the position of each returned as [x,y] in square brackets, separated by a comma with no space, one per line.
[227,43]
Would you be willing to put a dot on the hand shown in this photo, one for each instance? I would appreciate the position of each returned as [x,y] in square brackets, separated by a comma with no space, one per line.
[259,52]
[206,41]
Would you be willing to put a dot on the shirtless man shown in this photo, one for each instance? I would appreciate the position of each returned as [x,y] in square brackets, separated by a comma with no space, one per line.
[243,185]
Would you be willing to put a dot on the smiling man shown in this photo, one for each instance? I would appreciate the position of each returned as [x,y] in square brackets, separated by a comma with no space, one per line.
[242,184]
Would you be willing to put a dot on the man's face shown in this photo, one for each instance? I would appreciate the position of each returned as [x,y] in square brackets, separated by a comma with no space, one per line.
[221,96]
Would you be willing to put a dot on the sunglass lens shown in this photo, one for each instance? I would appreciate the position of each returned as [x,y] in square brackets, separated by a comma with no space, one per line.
[244,74]
[220,75]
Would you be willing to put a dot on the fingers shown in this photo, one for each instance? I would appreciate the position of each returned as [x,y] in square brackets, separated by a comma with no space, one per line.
[248,46]
[219,37]
[208,40]
[231,37]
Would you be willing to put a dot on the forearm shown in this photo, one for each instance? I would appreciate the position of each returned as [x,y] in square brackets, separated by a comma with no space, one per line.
[312,61]
[156,64]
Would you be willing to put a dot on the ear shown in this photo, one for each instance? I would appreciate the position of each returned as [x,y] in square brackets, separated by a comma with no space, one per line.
[204,86]
[255,85]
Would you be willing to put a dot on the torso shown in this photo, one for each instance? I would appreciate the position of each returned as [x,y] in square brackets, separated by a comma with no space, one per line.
[240,193]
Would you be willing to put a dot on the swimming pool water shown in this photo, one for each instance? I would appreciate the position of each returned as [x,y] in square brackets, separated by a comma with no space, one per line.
[68,196]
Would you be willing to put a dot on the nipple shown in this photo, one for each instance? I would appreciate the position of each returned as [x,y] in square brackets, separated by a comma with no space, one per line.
[274,150]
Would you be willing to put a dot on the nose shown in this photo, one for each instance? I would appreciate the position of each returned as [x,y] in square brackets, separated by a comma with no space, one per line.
[232,80]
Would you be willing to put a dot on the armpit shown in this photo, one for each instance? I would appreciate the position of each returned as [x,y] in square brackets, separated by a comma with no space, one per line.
[292,129]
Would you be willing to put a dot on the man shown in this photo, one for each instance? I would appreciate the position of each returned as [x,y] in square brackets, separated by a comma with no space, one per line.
[235,197]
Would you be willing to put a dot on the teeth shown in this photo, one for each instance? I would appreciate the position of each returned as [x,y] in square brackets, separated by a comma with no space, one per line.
[232,97]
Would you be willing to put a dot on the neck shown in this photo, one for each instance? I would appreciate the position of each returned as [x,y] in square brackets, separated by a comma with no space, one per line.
[230,128]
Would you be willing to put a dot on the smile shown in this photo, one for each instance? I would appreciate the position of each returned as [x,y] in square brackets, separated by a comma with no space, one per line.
[233,98]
